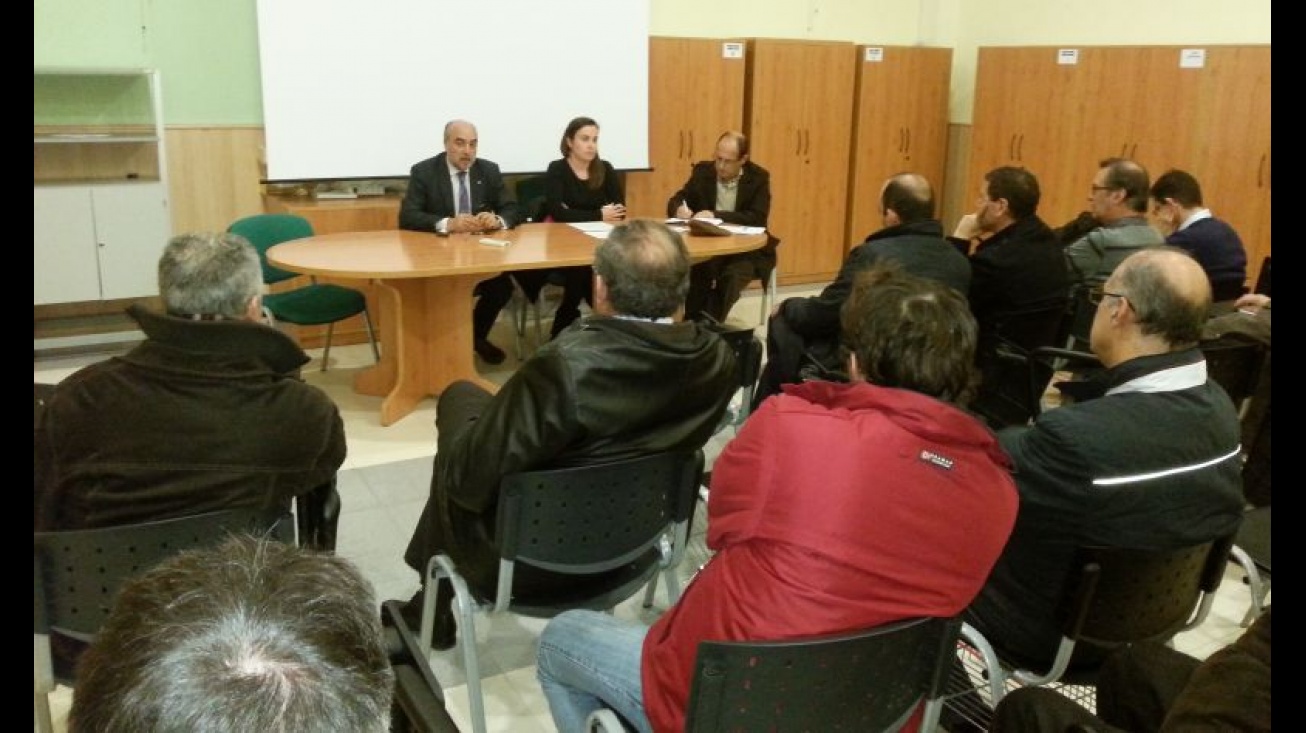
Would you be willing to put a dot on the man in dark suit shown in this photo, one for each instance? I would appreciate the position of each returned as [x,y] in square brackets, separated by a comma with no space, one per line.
[457,192]
[804,334]
[737,191]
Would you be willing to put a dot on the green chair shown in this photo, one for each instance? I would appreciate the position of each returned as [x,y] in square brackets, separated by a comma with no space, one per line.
[315,304]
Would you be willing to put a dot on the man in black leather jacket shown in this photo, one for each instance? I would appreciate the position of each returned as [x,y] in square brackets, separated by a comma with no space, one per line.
[630,380]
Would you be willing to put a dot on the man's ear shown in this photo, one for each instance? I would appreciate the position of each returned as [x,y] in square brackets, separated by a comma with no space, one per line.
[601,303]
[854,371]
[891,218]
[254,311]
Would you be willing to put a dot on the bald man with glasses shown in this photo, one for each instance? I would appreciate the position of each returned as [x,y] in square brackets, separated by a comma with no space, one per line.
[1145,454]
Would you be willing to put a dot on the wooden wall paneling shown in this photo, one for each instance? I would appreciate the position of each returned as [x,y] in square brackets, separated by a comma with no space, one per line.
[900,123]
[696,92]
[1211,118]
[1231,146]
[1029,111]
[798,116]
[214,175]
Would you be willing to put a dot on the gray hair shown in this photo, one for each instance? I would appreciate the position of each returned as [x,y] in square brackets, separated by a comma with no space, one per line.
[645,266]
[209,273]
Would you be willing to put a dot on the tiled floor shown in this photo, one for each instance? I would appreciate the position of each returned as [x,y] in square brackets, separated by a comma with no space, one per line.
[384,484]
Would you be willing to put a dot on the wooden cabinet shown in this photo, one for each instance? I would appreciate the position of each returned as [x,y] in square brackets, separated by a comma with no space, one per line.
[100,214]
[695,93]
[797,115]
[1059,111]
[1234,112]
[366,214]
[900,123]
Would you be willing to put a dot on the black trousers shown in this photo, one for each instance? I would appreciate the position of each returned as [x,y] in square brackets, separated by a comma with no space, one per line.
[491,296]
[577,285]
[715,285]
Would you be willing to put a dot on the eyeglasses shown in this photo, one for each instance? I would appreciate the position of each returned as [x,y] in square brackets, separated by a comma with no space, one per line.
[1097,295]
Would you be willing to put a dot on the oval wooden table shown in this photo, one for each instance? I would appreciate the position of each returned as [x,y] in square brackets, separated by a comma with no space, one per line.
[423,286]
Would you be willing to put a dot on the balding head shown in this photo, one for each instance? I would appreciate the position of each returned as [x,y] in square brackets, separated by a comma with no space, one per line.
[908,195]
[460,143]
[1155,301]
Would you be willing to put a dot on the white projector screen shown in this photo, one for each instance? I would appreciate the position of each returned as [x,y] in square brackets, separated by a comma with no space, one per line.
[359,89]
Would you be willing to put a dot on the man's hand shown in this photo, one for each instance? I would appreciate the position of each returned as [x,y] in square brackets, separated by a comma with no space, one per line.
[683,211]
[487,221]
[464,224]
[705,214]
[967,227]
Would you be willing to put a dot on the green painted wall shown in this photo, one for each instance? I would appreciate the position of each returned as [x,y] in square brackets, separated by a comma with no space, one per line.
[207,50]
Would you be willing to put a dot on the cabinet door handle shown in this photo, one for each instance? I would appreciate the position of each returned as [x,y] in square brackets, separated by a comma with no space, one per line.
[1260,171]
[691,144]
[907,149]
[1011,147]
[807,141]
[1020,148]
[1133,151]
[902,139]
[798,142]
[681,152]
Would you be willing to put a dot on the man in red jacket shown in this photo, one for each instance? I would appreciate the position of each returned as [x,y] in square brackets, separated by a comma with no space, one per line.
[839,506]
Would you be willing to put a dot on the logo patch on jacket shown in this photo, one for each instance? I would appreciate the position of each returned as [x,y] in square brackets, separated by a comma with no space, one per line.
[938,460]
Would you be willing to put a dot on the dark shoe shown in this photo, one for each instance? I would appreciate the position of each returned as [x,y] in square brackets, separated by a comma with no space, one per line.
[444,632]
[489,352]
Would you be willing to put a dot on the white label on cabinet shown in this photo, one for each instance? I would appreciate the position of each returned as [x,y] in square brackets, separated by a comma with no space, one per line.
[1192,58]
[873,55]
[732,50]
[1068,56]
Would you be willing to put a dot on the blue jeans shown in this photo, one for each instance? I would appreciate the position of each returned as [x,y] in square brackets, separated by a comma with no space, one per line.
[589,660]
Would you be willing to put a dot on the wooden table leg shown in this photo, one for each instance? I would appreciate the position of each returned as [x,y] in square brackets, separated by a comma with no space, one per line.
[426,341]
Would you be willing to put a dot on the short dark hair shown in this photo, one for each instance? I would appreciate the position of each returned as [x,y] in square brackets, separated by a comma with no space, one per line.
[209,273]
[1130,177]
[596,171]
[910,332]
[1018,186]
[910,195]
[248,635]
[1180,186]
[645,267]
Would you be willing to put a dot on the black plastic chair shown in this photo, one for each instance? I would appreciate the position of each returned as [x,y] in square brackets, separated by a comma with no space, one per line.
[1001,355]
[1078,320]
[1112,596]
[862,681]
[1263,279]
[1235,364]
[315,304]
[615,526]
[418,705]
[1251,550]
[76,575]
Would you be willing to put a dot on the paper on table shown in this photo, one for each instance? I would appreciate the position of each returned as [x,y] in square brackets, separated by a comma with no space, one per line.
[741,229]
[593,227]
[709,220]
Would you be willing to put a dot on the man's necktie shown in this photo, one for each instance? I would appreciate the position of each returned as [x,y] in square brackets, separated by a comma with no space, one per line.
[464,198]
